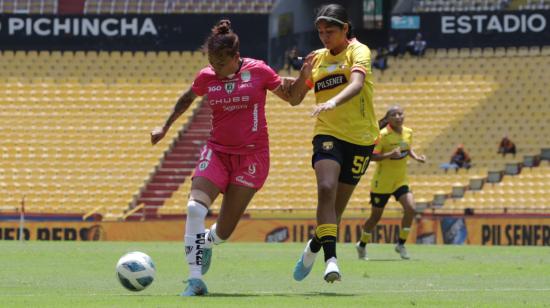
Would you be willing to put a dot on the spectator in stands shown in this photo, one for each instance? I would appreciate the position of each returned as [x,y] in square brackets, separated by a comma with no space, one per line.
[459,159]
[394,49]
[380,60]
[506,146]
[345,130]
[235,160]
[293,61]
[417,47]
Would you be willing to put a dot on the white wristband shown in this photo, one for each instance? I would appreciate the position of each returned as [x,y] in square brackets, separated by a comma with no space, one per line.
[330,103]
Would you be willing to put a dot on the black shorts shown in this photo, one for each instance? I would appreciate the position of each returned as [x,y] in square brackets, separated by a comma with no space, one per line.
[380,200]
[353,159]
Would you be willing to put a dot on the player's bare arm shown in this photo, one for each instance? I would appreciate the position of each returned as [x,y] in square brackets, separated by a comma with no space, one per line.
[181,106]
[395,153]
[293,90]
[418,158]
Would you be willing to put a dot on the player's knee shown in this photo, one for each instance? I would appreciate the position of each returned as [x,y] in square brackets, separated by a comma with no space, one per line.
[409,210]
[326,188]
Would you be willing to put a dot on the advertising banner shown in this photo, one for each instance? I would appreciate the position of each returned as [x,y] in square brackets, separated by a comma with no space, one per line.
[456,230]
[128,32]
[475,29]
[248,230]
[504,231]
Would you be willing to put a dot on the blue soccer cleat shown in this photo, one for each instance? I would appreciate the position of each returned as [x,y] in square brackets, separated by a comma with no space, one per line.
[206,258]
[300,270]
[195,287]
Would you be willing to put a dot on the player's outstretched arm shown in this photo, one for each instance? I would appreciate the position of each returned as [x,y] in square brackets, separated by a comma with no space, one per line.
[418,158]
[181,106]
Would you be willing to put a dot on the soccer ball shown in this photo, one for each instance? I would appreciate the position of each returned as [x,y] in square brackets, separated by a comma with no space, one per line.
[135,271]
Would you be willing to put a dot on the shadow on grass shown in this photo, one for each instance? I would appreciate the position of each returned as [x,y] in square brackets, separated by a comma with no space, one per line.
[331,294]
[387,260]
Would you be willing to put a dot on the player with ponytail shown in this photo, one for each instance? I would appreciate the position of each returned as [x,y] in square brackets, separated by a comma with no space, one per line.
[235,160]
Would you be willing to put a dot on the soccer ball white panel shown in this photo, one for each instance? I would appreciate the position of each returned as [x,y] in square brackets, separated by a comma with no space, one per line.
[135,271]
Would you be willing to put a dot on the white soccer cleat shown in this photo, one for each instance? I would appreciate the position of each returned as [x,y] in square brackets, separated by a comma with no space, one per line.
[332,273]
[361,252]
[402,251]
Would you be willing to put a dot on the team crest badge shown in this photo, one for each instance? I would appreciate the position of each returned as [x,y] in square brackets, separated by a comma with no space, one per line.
[328,145]
[229,87]
[376,200]
[203,165]
[331,68]
[245,76]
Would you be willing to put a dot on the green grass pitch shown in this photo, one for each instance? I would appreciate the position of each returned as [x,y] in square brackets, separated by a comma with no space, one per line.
[81,274]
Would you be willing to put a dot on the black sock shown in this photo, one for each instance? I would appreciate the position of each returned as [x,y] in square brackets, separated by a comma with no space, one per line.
[329,246]
[315,245]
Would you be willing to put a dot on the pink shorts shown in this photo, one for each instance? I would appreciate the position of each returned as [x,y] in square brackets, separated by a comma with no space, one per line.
[249,170]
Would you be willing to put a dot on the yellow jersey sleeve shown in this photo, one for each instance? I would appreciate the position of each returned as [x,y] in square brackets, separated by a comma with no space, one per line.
[360,58]
[378,147]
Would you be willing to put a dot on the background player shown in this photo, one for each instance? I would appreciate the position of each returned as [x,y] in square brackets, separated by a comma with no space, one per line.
[235,160]
[390,178]
[345,130]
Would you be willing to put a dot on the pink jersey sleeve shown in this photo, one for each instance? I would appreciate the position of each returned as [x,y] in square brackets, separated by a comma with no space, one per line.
[199,86]
[271,78]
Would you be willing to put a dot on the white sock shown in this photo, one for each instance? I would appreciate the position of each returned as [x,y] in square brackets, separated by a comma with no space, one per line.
[212,237]
[309,256]
[194,237]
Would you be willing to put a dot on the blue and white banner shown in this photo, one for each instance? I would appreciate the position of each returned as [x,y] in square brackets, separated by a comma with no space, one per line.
[475,29]
[405,22]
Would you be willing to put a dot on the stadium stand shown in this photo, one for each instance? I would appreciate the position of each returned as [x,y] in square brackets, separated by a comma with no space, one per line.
[75,126]
[177,6]
[459,6]
[60,111]
[28,6]
[527,192]
[535,5]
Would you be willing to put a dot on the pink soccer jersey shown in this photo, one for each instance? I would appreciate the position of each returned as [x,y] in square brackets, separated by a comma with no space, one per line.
[238,106]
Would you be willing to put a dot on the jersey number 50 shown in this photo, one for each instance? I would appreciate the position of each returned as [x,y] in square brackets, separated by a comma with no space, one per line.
[360,164]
